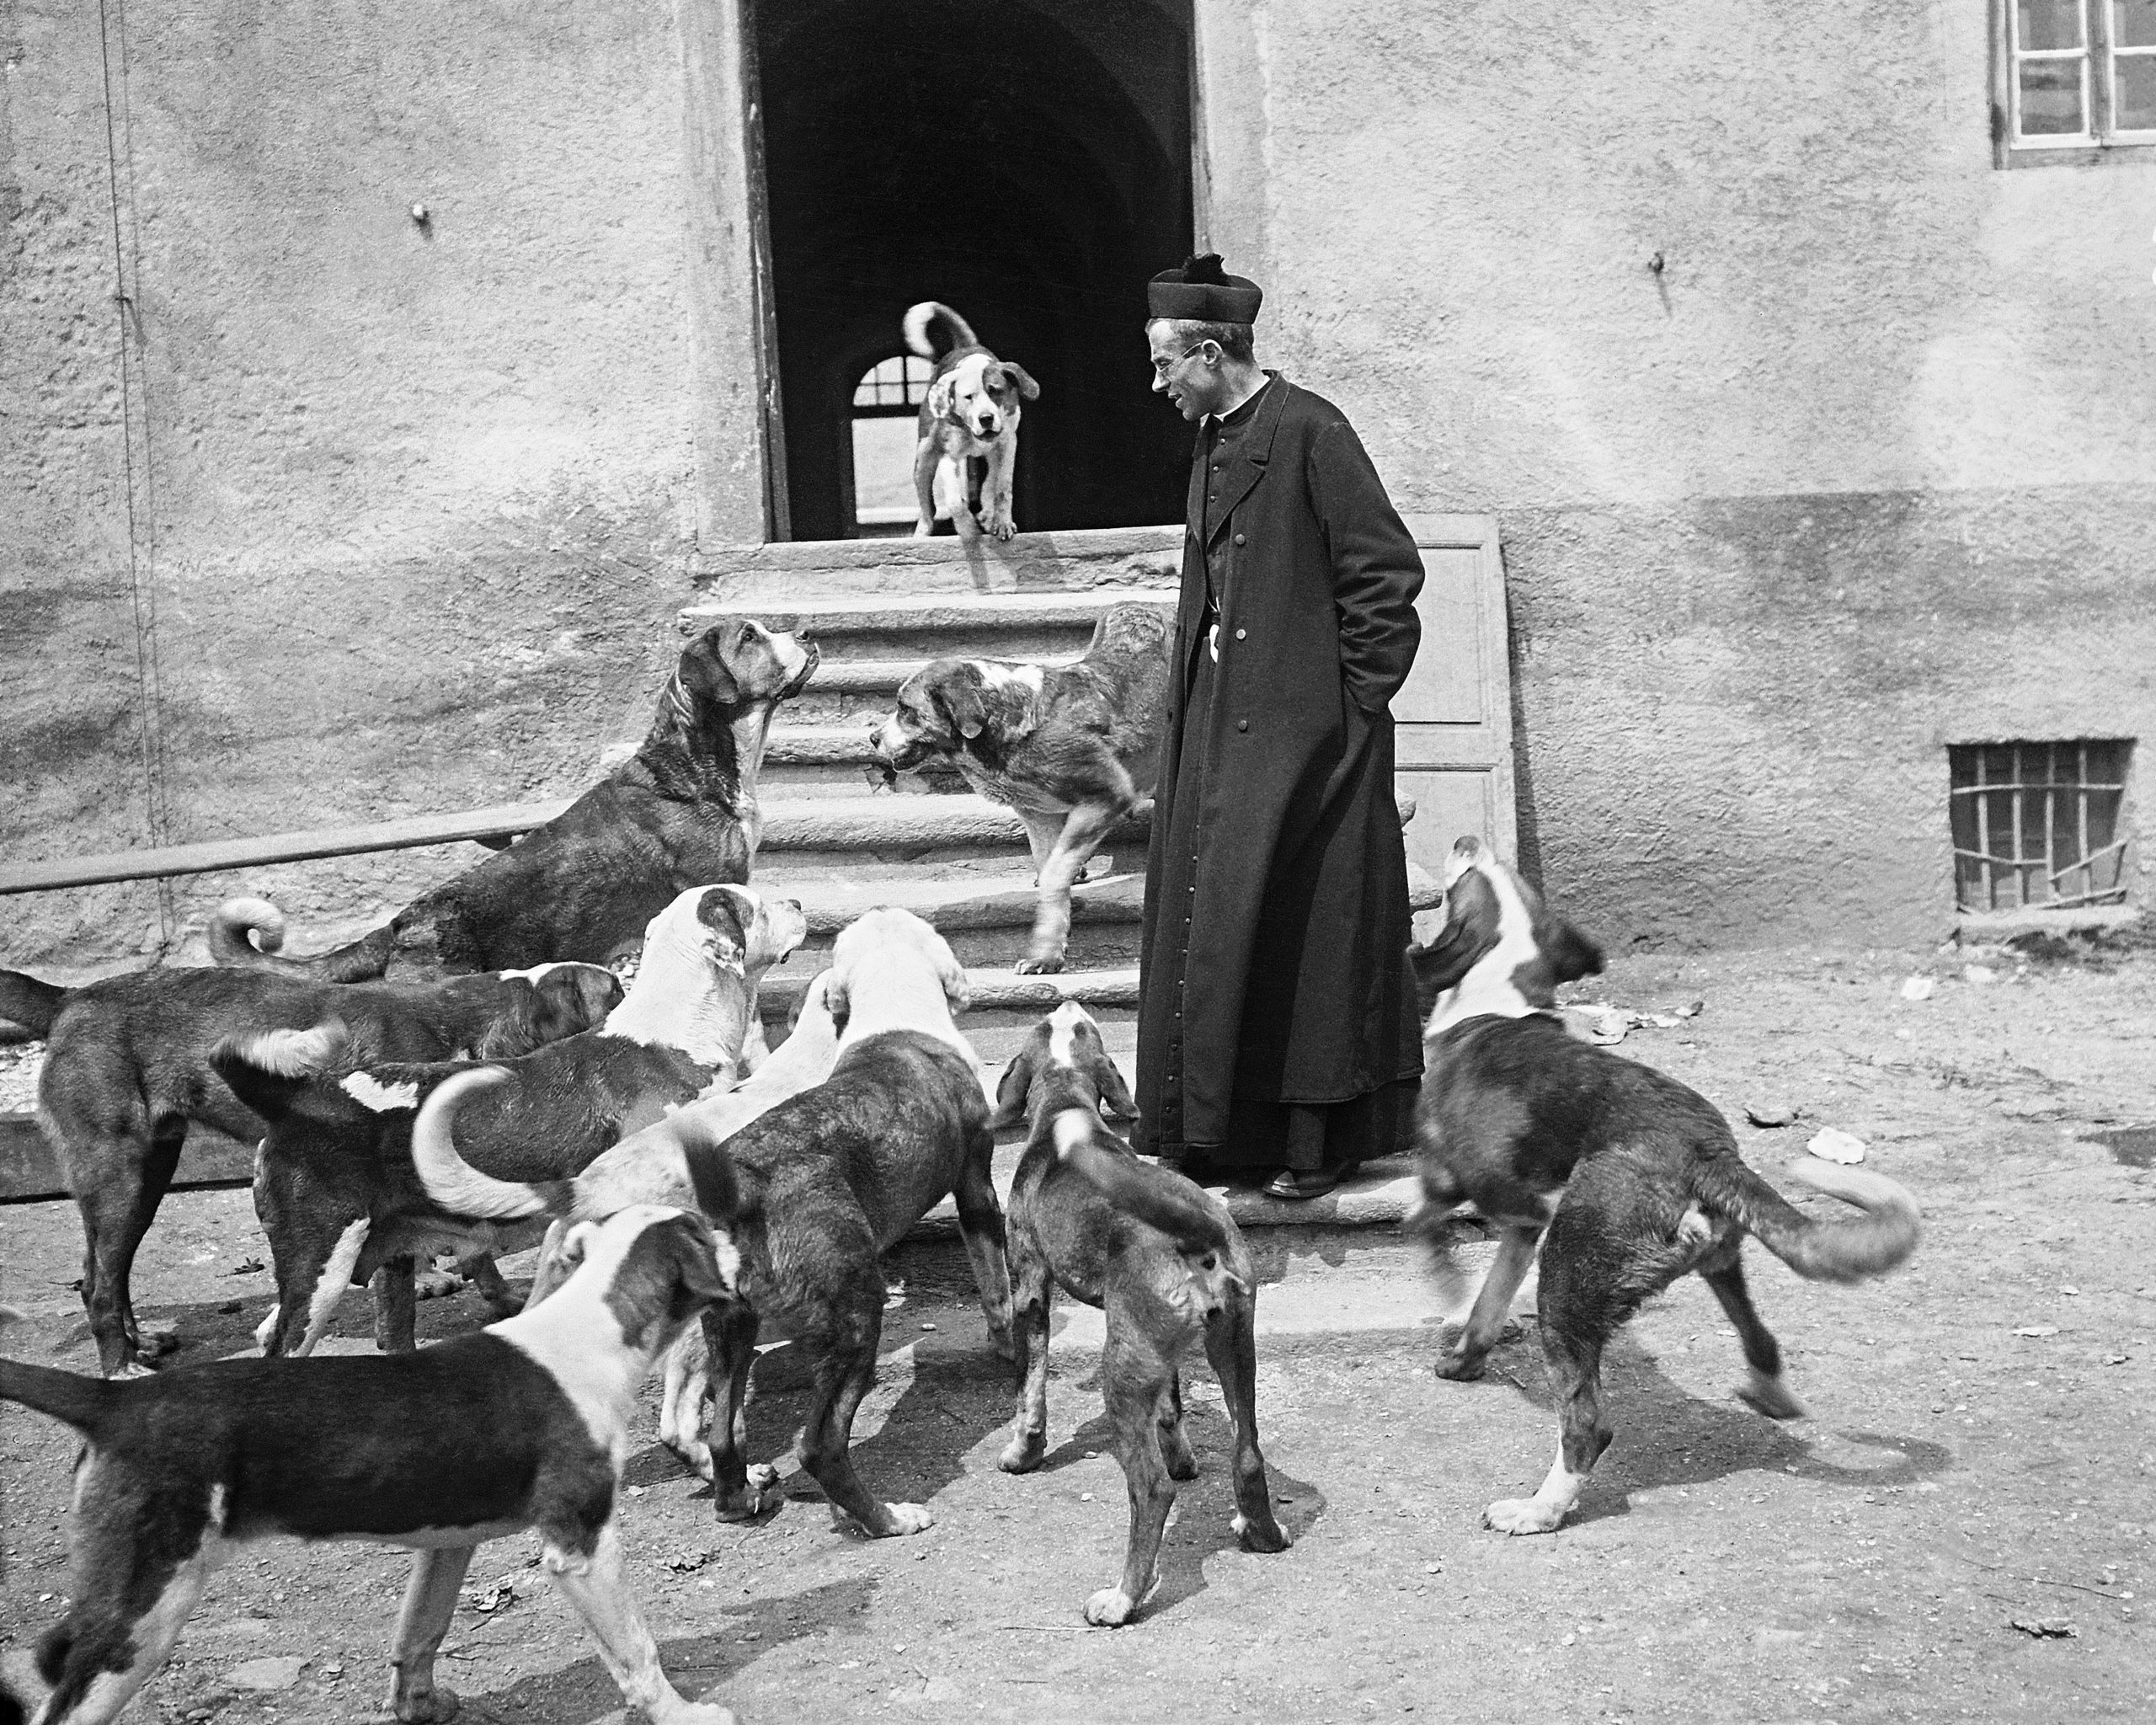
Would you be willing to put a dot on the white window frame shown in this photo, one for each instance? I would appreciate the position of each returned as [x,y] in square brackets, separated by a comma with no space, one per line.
[2097,55]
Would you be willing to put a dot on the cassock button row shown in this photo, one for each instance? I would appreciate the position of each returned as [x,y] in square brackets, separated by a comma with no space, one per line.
[1239,633]
[1241,724]
[1241,539]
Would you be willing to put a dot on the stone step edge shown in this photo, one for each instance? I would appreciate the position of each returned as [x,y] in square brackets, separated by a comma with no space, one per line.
[883,614]
[883,676]
[993,990]
[873,822]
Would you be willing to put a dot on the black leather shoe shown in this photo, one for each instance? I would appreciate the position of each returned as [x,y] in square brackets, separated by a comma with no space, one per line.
[1295,1184]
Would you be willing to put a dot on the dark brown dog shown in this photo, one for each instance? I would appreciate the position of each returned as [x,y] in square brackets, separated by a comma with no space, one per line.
[1074,749]
[1623,1179]
[127,1070]
[1157,1253]
[681,813]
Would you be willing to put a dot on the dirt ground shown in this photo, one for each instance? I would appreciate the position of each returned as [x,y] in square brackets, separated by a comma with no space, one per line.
[1962,1530]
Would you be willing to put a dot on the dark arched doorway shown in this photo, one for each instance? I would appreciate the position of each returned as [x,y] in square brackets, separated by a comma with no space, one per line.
[1029,164]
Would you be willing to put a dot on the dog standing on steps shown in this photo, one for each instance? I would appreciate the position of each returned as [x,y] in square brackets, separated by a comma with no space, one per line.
[971,412]
[1624,1178]
[524,1424]
[1073,748]
[1157,1253]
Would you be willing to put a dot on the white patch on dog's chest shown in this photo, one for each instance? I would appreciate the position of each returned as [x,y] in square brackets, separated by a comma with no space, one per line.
[371,1092]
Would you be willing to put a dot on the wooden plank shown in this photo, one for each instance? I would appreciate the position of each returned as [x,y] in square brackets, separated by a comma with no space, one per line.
[29,1172]
[1453,716]
[503,821]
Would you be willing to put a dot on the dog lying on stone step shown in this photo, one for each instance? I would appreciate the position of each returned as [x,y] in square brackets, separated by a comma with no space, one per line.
[1074,749]
[524,1424]
[127,1072]
[334,1186]
[1623,1179]
[1157,1253]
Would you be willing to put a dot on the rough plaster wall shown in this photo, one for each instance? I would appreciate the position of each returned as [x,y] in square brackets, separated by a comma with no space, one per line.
[423,496]
[1868,467]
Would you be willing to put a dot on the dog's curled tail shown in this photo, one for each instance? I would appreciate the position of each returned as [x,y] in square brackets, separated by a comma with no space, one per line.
[246,934]
[29,1002]
[1879,1240]
[1156,1198]
[64,1396]
[453,1183]
[921,333]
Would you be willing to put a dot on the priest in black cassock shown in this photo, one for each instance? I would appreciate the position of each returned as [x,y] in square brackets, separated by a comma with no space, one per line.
[1277,1031]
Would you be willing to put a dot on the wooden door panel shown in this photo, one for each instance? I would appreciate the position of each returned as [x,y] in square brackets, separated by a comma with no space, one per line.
[1453,715]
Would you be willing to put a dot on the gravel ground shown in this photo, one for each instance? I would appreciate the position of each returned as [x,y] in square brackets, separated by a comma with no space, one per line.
[1962,1531]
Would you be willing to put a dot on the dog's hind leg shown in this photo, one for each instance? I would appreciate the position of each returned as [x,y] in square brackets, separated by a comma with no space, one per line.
[1487,1321]
[395,1293]
[485,1274]
[123,1179]
[980,1223]
[1231,1345]
[592,1582]
[95,1668]
[430,1602]
[730,1345]
[1175,1445]
[1762,1390]
[1579,1314]
[845,1371]
[1135,1382]
[1031,1293]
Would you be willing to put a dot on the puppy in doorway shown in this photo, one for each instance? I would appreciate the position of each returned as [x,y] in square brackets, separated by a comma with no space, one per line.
[971,413]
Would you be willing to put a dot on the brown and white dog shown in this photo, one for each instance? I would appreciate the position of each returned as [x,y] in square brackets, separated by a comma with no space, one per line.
[524,1424]
[1157,1253]
[1623,1178]
[1074,749]
[971,413]
[334,1187]
[681,813]
[127,1072]
[650,1167]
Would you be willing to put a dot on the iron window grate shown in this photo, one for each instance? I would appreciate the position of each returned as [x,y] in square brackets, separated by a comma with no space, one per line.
[2039,824]
[898,385]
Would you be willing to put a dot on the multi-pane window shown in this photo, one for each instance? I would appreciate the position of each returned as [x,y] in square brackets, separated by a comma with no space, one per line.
[886,404]
[2039,824]
[2080,72]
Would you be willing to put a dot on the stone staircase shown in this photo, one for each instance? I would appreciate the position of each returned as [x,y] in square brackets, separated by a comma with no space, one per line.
[842,843]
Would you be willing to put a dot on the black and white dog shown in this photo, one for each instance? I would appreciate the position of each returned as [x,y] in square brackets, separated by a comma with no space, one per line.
[1622,1178]
[1074,749]
[334,1187]
[524,1424]
[680,812]
[970,413]
[127,1070]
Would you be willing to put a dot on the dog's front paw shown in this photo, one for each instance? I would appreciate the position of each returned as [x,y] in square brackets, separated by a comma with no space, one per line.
[924,530]
[1772,1397]
[695,1455]
[756,1497]
[431,1706]
[1110,1608]
[1037,965]
[436,1284]
[1517,1515]
[1023,1453]
[696,1713]
[907,1518]
[1260,1535]
[1460,1365]
[1000,527]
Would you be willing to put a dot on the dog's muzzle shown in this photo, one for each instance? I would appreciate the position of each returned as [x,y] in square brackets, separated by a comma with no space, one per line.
[812,656]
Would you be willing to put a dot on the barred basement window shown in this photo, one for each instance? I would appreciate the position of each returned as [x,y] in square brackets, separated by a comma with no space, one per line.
[2038,825]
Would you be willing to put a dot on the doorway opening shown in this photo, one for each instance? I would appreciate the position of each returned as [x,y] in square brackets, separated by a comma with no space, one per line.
[1026,161]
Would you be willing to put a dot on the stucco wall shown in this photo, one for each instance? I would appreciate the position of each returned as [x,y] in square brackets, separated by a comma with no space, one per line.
[414,503]
[1871,465]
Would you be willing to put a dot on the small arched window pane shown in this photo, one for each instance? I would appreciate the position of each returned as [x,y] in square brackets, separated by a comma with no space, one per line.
[896,383]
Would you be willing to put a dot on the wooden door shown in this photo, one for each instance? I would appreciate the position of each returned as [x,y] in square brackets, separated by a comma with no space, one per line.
[1453,716]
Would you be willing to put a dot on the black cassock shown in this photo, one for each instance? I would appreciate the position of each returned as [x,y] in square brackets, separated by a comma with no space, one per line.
[1275,968]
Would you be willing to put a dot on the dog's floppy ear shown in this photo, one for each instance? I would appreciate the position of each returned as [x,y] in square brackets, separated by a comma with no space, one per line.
[1115,1094]
[1471,930]
[835,996]
[704,671]
[1023,378]
[1572,954]
[699,1263]
[956,989]
[574,1244]
[959,695]
[1010,1092]
[939,397]
[728,911]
